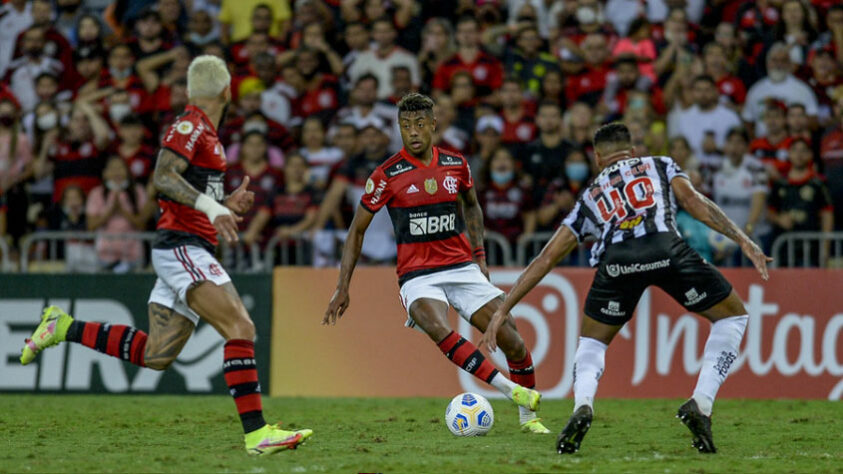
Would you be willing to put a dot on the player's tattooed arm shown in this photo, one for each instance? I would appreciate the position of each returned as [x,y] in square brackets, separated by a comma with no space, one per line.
[168,178]
[473,215]
[168,332]
[710,214]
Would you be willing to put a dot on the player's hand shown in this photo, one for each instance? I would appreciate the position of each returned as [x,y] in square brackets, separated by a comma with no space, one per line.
[481,262]
[226,225]
[757,257]
[241,199]
[490,337]
[337,306]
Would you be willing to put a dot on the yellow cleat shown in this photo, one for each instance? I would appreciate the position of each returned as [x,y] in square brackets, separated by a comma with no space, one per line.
[271,439]
[525,397]
[51,331]
[534,426]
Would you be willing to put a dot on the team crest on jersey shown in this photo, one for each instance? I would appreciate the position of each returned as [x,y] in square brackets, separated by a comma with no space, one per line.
[370,186]
[450,184]
[430,186]
[184,127]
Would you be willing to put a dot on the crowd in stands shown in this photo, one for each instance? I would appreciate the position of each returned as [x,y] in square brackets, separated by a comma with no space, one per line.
[747,97]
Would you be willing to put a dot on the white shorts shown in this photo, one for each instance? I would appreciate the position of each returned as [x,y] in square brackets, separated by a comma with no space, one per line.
[179,269]
[464,288]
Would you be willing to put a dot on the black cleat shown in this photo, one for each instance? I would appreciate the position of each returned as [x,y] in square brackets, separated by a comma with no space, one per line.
[569,439]
[699,424]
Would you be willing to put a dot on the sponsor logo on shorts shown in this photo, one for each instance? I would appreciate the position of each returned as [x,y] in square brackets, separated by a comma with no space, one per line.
[613,309]
[615,269]
[694,297]
[433,224]
[215,270]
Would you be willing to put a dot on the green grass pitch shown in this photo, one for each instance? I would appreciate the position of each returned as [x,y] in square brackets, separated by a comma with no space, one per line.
[99,433]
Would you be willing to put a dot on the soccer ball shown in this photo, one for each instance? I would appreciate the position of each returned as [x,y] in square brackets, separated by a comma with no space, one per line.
[469,414]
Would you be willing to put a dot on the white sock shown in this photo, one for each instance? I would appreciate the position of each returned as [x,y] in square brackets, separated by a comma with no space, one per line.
[500,382]
[721,349]
[525,415]
[588,368]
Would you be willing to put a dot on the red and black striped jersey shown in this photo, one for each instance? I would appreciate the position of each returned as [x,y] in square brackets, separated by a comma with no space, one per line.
[422,203]
[193,138]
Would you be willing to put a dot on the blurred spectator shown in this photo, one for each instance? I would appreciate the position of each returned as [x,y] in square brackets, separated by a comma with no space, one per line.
[799,125]
[401,83]
[674,50]
[517,113]
[578,125]
[437,46]
[825,75]
[344,194]
[447,134]
[248,116]
[238,21]
[740,187]
[771,148]
[56,45]
[796,29]
[527,62]
[621,85]
[278,100]
[173,16]
[488,138]
[383,57]
[831,156]
[320,157]
[779,84]
[588,83]
[69,14]
[150,37]
[800,201]
[290,208]
[15,169]
[344,137]
[15,18]
[363,106]
[552,88]
[707,122]
[118,206]
[545,156]
[832,38]
[640,46]
[138,155]
[264,180]
[121,76]
[683,155]
[717,65]
[89,32]
[202,30]
[74,154]
[319,94]
[89,66]
[508,207]
[562,191]
[486,70]
[23,71]
[357,42]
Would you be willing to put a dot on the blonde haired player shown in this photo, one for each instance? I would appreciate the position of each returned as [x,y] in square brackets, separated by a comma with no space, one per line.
[191,283]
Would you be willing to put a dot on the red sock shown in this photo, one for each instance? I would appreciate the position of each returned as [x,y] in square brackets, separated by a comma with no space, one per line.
[241,376]
[116,340]
[466,355]
[522,372]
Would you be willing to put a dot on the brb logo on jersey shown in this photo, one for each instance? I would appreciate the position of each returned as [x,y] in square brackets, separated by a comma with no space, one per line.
[422,224]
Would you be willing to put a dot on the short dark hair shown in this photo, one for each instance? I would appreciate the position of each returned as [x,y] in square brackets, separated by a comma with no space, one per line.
[797,105]
[367,77]
[705,78]
[612,133]
[740,131]
[415,102]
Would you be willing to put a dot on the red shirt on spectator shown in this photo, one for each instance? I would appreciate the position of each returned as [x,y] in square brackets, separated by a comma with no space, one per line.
[263,185]
[138,96]
[772,154]
[57,47]
[522,130]
[486,70]
[140,163]
[503,208]
[79,164]
[588,85]
[733,88]
[318,99]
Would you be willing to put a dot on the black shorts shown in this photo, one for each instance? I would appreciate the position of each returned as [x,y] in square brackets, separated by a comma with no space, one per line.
[664,260]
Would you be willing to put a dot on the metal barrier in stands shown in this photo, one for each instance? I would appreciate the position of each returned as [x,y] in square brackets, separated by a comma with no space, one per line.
[498,250]
[295,250]
[808,249]
[241,258]
[5,261]
[77,248]
[530,245]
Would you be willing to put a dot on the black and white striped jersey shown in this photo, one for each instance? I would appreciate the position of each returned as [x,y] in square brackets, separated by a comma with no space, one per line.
[629,199]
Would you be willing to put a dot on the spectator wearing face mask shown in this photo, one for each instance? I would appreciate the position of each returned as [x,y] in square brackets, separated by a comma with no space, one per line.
[15,18]
[23,71]
[508,207]
[779,84]
[562,191]
[121,76]
[56,45]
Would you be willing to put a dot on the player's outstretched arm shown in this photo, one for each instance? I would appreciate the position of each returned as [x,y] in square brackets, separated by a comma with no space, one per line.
[169,181]
[350,254]
[705,211]
[473,215]
[561,244]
